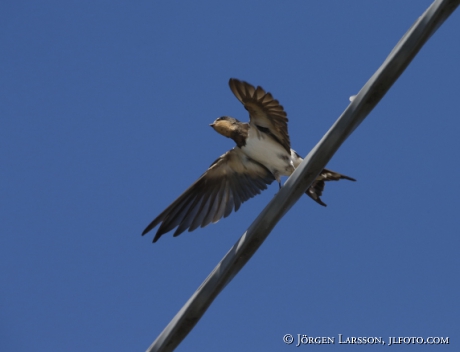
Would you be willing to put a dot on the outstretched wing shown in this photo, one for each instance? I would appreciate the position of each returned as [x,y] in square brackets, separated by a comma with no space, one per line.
[230,180]
[264,111]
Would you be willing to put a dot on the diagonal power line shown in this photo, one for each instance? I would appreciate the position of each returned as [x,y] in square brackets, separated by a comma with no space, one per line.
[368,97]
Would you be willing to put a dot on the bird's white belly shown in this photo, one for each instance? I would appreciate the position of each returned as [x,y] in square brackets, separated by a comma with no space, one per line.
[269,153]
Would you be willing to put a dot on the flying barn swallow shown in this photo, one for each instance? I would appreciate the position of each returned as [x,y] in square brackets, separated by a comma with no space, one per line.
[262,155]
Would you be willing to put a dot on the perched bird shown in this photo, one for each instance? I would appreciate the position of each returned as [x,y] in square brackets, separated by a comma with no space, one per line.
[262,155]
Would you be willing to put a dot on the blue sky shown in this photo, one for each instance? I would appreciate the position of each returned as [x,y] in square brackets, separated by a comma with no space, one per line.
[105,107]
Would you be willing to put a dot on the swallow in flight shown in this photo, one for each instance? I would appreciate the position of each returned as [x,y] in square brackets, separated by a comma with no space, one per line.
[262,155]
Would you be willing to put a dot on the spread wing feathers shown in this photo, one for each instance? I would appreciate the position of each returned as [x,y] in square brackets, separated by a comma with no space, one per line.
[264,111]
[316,189]
[230,180]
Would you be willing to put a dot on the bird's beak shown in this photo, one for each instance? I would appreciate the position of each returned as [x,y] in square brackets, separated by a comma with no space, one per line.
[212,125]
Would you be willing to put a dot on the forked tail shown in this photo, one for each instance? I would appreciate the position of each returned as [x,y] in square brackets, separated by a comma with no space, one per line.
[316,189]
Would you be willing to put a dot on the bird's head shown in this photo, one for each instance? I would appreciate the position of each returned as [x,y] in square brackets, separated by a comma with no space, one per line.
[225,125]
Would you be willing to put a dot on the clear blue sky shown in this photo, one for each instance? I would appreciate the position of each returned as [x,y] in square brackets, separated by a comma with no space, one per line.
[104,113]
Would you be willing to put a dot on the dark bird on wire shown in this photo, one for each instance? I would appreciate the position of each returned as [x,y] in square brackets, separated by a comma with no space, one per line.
[262,155]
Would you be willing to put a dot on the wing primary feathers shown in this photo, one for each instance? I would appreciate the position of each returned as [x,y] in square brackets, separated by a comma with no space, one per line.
[230,181]
[263,110]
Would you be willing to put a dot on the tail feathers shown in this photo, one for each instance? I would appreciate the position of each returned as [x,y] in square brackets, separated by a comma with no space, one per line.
[316,189]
